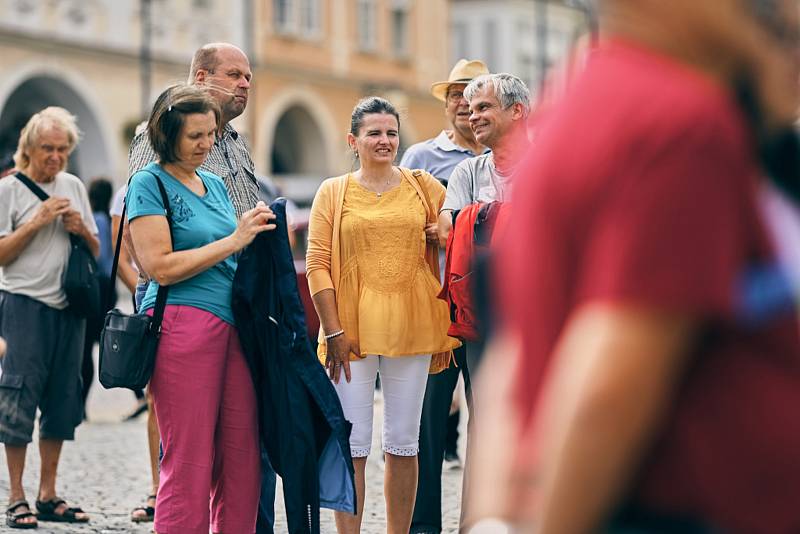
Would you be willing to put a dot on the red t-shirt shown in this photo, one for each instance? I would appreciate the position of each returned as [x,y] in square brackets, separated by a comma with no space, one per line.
[641,189]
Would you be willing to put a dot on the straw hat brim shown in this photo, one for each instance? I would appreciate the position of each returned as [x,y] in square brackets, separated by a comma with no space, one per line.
[439,89]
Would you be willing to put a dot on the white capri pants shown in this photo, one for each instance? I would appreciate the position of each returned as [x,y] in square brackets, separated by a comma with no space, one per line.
[403,381]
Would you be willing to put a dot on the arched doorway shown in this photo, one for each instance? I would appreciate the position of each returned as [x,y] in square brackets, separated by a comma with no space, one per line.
[298,156]
[91,157]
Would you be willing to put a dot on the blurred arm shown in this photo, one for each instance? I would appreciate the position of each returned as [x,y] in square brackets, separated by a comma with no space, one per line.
[614,374]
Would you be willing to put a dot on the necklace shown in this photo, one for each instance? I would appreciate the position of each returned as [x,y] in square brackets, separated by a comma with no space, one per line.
[379,193]
[387,185]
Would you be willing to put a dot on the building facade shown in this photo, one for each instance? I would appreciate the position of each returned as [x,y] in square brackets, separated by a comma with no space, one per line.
[106,60]
[527,38]
[317,58]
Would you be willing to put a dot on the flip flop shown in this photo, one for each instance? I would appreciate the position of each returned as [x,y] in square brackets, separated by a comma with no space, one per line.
[13,517]
[46,511]
[150,512]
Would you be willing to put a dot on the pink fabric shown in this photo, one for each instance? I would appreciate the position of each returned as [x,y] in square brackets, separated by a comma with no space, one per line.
[206,408]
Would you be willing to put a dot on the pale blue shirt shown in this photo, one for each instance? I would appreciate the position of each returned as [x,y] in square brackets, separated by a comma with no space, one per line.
[439,156]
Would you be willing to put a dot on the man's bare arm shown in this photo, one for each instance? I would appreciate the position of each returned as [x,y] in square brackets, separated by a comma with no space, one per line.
[614,375]
[445,225]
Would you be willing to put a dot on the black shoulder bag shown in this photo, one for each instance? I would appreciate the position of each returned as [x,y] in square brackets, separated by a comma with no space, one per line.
[81,283]
[128,343]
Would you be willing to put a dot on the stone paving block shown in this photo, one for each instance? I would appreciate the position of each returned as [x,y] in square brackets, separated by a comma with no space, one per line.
[106,472]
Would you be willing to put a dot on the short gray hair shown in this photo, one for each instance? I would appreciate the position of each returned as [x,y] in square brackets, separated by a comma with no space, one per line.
[508,89]
[49,117]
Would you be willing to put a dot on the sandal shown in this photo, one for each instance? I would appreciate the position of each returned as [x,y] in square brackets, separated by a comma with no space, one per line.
[149,511]
[46,511]
[13,517]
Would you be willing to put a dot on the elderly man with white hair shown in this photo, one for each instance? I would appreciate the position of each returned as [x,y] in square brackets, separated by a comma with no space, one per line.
[41,367]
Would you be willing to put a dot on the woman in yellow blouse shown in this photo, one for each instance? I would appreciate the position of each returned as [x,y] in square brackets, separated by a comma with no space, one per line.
[372,269]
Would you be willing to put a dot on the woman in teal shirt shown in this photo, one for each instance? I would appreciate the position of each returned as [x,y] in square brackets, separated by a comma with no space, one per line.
[202,389]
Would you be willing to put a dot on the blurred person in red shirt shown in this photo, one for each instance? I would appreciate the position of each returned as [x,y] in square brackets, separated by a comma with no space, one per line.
[657,370]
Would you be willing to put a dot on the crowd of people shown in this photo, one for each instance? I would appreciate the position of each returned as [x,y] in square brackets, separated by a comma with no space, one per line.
[613,274]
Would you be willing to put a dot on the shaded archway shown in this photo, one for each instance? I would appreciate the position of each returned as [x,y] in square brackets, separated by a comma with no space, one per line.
[298,156]
[91,158]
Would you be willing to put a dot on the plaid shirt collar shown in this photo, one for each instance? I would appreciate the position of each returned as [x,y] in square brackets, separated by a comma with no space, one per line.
[228,131]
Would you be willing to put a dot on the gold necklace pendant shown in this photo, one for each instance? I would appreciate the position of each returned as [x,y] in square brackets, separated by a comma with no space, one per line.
[387,188]
[379,193]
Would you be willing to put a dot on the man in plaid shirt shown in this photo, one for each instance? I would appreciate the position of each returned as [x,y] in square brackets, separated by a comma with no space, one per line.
[225,70]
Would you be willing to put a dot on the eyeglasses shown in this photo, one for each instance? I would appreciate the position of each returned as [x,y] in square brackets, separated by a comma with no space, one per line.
[455,96]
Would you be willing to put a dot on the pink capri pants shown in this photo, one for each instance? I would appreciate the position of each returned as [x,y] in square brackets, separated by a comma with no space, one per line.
[206,408]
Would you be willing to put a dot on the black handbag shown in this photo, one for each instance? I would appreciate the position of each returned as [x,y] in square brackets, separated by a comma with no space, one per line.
[81,283]
[128,342]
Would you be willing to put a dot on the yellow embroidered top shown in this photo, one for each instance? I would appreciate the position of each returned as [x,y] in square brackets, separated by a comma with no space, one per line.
[386,293]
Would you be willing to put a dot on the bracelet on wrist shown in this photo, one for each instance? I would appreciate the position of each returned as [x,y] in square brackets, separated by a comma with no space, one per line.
[338,333]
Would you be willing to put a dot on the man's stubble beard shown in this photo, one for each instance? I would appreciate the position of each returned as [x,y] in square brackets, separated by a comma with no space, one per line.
[231,109]
[464,131]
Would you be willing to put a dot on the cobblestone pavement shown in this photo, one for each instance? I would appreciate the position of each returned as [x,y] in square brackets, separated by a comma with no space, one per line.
[105,471]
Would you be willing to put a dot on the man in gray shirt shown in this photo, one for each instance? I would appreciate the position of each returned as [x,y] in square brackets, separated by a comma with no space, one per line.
[439,156]
[499,105]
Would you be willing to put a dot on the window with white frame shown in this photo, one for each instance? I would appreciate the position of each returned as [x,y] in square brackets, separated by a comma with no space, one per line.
[367,21]
[299,18]
[400,28]
[527,67]
[557,43]
[283,16]
[491,43]
[459,41]
[309,17]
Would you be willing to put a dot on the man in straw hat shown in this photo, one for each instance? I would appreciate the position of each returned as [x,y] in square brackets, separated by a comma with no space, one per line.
[439,156]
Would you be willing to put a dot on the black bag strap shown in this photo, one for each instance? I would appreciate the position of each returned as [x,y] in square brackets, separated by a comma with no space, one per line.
[161,296]
[118,247]
[30,184]
[39,192]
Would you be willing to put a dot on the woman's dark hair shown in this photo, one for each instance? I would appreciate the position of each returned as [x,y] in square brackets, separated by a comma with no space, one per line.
[168,115]
[368,106]
[100,193]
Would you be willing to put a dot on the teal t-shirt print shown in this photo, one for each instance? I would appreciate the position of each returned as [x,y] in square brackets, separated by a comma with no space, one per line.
[181,212]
